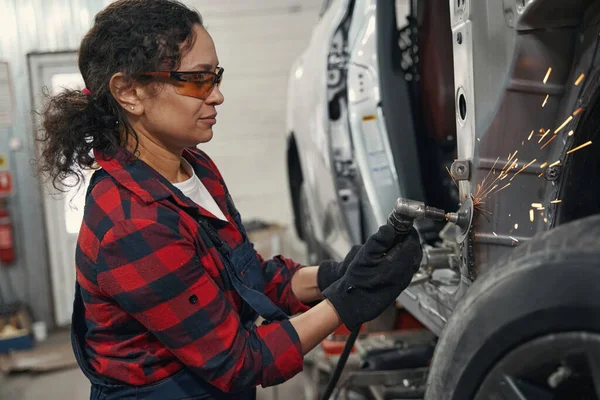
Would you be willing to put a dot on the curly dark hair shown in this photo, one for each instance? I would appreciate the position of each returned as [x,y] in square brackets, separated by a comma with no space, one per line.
[128,36]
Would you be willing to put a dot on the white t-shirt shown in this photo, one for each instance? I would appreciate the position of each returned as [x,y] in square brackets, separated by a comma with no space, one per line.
[197,192]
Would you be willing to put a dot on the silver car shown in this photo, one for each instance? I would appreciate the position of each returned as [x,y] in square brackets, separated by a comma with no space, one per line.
[504,95]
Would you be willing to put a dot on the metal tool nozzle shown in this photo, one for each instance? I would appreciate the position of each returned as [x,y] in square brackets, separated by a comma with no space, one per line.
[407,211]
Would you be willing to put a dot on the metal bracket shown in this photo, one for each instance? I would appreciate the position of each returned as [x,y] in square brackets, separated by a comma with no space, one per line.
[461,170]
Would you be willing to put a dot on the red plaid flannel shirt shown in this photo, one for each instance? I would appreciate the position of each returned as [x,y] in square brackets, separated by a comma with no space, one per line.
[157,297]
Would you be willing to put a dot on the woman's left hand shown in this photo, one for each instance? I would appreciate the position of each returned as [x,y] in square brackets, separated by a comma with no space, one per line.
[330,271]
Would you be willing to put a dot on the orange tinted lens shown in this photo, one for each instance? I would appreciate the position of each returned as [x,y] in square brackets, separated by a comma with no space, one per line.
[197,85]
[199,91]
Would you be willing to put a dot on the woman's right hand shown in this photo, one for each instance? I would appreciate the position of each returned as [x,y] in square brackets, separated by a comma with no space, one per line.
[380,271]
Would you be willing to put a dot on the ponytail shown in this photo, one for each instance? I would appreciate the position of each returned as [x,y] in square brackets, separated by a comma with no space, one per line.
[73,125]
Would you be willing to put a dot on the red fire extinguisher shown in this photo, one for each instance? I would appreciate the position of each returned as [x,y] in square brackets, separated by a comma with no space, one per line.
[7,243]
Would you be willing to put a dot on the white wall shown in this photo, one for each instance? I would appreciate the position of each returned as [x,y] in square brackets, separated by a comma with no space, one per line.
[257,41]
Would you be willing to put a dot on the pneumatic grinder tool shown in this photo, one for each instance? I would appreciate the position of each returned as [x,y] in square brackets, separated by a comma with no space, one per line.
[406,212]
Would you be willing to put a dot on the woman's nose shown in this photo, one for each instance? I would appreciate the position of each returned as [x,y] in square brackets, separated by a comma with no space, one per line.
[216,96]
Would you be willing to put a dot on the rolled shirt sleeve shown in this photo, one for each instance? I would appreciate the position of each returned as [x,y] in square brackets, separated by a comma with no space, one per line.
[277,273]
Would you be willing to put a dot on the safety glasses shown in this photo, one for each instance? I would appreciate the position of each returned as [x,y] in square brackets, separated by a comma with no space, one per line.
[198,84]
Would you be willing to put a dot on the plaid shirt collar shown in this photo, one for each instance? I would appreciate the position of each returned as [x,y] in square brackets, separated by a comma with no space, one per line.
[150,186]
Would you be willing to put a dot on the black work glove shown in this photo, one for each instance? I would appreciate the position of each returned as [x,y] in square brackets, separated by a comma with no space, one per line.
[380,271]
[330,271]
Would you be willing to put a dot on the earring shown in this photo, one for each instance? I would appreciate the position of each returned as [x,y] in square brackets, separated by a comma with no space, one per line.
[132,107]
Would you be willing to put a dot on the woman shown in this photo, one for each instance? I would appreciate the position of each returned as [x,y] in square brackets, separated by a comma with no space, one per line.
[168,286]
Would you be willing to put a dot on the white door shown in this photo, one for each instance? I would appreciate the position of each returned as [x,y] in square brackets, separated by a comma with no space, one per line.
[63,210]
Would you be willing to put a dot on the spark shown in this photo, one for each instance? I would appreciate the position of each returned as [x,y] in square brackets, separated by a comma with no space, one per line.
[531,135]
[531,215]
[494,233]
[522,169]
[543,136]
[545,100]
[546,220]
[578,81]
[503,187]
[556,201]
[522,142]
[577,111]
[543,165]
[579,147]
[504,177]
[488,192]
[548,142]
[554,164]
[547,75]
[571,133]
[563,124]
[479,140]
[514,239]
[537,205]
[485,178]
[540,175]
[541,130]
[516,226]
[453,180]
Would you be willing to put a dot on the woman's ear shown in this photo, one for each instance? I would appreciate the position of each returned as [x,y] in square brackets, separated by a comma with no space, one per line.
[127,94]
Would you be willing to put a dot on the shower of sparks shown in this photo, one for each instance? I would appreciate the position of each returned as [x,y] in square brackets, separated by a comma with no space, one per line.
[563,124]
[571,133]
[556,201]
[578,81]
[530,135]
[523,169]
[577,111]
[548,142]
[543,165]
[579,147]
[543,136]
[554,164]
[537,205]
[531,215]
[514,239]
[547,75]
[545,100]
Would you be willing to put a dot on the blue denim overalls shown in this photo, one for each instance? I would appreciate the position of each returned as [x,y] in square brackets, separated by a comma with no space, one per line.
[244,270]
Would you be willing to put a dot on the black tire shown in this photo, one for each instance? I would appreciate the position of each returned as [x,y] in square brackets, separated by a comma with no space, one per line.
[315,253]
[546,286]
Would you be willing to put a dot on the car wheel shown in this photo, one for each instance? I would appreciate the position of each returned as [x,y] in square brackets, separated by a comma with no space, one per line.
[528,329]
[315,253]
